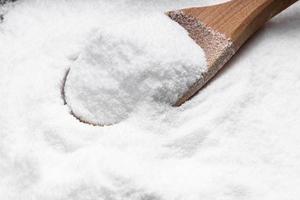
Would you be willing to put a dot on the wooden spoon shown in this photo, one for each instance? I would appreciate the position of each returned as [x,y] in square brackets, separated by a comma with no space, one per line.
[222,29]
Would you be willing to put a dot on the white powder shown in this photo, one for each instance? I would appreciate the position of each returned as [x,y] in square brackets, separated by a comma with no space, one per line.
[237,139]
[150,58]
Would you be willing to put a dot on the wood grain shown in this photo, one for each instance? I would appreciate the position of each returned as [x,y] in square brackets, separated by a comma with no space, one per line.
[222,29]
[239,19]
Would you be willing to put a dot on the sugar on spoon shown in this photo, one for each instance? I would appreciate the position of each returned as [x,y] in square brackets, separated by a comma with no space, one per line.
[220,30]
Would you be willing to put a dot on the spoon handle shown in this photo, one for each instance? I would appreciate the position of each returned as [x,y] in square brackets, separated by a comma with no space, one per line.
[239,19]
[254,15]
[222,29]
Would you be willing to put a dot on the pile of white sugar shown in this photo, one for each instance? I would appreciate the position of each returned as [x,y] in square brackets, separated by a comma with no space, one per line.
[237,139]
[143,60]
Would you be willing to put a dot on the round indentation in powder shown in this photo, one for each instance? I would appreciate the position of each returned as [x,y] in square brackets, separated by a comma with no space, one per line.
[150,59]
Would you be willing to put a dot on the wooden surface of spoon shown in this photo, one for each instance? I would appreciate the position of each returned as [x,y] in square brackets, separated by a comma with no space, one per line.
[222,29]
